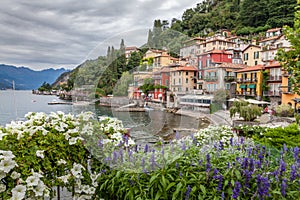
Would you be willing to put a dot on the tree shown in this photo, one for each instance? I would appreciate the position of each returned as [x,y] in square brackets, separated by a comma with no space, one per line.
[45,87]
[121,88]
[248,112]
[148,85]
[290,60]
[281,12]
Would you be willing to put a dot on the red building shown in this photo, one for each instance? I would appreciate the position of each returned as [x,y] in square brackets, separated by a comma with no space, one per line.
[210,58]
[161,78]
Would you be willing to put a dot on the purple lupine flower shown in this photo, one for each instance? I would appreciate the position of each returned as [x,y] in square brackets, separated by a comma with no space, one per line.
[263,186]
[285,149]
[236,190]
[199,162]
[245,163]
[115,156]
[247,175]
[222,196]
[188,191]
[228,165]
[283,187]
[177,135]
[216,171]
[275,174]
[221,145]
[296,153]
[146,148]
[251,165]
[136,148]
[121,154]
[100,144]
[220,179]
[163,150]
[125,138]
[258,164]
[152,160]
[231,141]
[242,140]
[183,147]
[282,167]
[293,174]
[208,165]
[177,165]
[180,173]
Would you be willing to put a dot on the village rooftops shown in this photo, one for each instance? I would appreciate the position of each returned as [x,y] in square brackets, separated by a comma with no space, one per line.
[273,30]
[270,38]
[184,68]
[273,65]
[232,65]
[251,68]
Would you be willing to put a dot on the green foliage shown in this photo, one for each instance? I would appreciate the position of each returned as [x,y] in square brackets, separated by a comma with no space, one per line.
[284,110]
[148,85]
[290,60]
[277,137]
[121,88]
[45,87]
[248,112]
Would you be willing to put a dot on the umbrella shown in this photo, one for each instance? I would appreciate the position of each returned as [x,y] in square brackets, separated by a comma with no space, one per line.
[233,99]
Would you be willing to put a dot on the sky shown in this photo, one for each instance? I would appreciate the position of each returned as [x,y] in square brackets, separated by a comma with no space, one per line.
[42,34]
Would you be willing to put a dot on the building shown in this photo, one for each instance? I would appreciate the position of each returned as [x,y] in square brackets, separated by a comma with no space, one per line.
[183,79]
[249,82]
[251,55]
[138,81]
[129,50]
[161,77]
[188,51]
[207,72]
[274,82]
[216,42]
[287,93]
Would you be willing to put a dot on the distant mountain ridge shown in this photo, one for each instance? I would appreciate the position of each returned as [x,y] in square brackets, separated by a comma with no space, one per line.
[25,78]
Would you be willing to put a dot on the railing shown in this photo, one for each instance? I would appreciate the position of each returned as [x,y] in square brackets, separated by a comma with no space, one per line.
[286,90]
[271,93]
[275,78]
[210,78]
[229,78]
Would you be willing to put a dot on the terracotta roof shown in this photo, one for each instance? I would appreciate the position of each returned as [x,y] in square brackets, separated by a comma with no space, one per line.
[131,48]
[273,30]
[232,65]
[185,68]
[274,64]
[252,68]
[251,45]
[270,38]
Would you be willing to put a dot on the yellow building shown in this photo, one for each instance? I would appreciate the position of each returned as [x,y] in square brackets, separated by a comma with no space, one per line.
[249,82]
[287,94]
[183,79]
[251,55]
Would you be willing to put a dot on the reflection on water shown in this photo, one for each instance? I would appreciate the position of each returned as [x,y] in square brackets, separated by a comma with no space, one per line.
[145,126]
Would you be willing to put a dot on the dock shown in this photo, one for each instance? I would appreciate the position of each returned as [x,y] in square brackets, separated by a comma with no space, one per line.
[60,103]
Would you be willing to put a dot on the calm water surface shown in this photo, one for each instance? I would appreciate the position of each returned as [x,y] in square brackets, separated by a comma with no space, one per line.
[145,126]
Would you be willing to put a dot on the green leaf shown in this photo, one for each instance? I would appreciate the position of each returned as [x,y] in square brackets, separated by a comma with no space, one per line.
[178,189]
[170,185]
[203,189]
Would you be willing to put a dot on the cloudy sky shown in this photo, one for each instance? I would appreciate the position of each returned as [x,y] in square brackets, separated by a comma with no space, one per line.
[63,33]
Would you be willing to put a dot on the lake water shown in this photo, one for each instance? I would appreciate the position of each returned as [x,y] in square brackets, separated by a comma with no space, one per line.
[145,126]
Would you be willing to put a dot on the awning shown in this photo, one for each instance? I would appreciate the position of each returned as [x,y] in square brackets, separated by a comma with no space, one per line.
[243,86]
[252,86]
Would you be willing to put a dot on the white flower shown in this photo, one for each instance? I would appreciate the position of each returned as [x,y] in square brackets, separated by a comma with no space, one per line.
[39,189]
[15,175]
[91,190]
[76,170]
[61,162]
[32,181]
[40,153]
[2,134]
[18,192]
[2,175]
[2,188]
[6,165]
[6,154]
[73,140]
[65,178]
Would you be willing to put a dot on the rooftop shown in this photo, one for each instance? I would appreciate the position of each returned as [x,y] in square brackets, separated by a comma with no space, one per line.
[252,68]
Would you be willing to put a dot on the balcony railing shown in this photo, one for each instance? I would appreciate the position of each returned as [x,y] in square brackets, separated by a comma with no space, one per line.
[286,90]
[271,93]
[210,78]
[275,78]
[229,78]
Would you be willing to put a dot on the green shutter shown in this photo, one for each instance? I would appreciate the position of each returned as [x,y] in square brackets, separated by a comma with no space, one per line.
[252,86]
[243,86]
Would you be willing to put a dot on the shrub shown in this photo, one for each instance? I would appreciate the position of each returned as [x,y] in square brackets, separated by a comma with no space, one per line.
[248,112]
[284,110]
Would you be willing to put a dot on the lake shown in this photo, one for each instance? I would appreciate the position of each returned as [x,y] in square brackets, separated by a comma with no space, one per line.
[145,126]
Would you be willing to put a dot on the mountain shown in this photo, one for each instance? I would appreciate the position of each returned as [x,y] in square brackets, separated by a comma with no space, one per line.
[25,78]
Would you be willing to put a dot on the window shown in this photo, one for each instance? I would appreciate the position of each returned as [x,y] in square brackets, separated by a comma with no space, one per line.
[200,64]
[256,54]
[227,86]
[179,73]
[186,80]
[186,73]
[167,82]
[179,80]
[255,63]
[207,63]
[246,56]
[186,89]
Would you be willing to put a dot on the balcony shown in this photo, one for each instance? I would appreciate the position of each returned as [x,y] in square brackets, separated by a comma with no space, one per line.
[275,78]
[245,80]
[271,93]
[210,78]
[229,78]
[286,90]
[239,80]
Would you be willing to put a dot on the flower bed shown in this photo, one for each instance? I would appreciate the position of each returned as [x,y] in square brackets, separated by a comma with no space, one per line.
[97,159]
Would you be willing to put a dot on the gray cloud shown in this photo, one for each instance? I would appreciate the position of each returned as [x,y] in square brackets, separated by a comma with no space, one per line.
[63,33]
